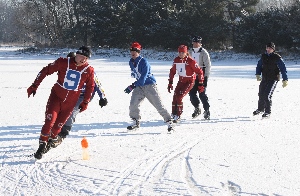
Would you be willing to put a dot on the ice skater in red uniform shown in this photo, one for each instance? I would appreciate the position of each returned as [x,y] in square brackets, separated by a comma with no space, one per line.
[73,74]
[187,68]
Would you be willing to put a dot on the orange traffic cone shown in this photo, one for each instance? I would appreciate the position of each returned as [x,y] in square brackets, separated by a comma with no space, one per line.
[85,152]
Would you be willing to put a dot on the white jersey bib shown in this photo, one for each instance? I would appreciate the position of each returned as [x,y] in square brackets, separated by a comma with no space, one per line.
[180,67]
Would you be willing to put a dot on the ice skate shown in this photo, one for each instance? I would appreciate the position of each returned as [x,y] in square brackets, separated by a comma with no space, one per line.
[196,113]
[176,119]
[54,142]
[64,131]
[41,150]
[256,112]
[135,125]
[206,115]
[266,115]
[170,126]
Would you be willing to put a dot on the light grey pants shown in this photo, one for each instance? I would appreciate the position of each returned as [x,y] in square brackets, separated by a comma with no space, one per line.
[151,93]
[76,111]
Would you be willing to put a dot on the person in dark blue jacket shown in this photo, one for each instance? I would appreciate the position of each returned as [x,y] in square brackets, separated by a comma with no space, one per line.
[102,102]
[268,71]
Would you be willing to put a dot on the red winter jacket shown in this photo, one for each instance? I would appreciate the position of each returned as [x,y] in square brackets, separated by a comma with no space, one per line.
[71,79]
[187,68]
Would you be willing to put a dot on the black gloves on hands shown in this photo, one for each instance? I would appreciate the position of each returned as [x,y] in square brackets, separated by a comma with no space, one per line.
[129,88]
[170,86]
[83,106]
[32,90]
[103,102]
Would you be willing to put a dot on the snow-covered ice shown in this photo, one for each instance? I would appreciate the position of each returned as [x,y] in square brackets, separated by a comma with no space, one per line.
[234,153]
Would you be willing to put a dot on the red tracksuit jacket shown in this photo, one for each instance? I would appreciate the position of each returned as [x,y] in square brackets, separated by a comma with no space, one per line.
[187,68]
[65,92]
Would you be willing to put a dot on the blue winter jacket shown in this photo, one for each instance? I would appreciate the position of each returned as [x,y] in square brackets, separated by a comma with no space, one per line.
[141,71]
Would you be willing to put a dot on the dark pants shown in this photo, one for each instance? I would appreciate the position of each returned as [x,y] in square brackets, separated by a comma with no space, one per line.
[194,98]
[69,123]
[266,90]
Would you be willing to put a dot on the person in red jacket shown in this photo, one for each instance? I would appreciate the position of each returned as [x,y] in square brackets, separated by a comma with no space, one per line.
[187,68]
[73,74]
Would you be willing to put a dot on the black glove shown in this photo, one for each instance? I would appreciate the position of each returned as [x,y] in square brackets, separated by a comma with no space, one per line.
[129,88]
[83,106]
[170,86]
[205,81]
[103,102]
[32,90]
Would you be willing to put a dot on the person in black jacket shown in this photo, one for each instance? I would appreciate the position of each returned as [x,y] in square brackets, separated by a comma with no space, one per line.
[269,66]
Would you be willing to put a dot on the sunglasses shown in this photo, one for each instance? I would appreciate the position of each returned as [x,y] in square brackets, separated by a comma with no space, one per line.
[134,49]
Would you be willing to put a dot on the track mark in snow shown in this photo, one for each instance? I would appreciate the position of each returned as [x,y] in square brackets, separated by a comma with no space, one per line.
[148,171]
[231,188]
[188,175]
[154,174]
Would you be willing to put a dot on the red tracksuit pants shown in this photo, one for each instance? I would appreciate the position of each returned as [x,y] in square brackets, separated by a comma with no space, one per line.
[181,90]
[57,113]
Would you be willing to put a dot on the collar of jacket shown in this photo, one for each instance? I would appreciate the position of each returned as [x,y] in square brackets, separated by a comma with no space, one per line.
[200,49]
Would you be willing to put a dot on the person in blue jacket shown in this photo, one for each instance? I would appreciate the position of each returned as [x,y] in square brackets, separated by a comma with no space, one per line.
[144,87]
[102,102]
[268,71]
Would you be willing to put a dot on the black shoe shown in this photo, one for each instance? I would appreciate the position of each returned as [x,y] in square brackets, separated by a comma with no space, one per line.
[135,125]
[41,150]
[266,115]
[206,115]
[176,119]
[54,142]
[64,131]
[170,126]
[196,113]
[256,112]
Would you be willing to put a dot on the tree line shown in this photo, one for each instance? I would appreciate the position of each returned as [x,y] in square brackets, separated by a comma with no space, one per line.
[237,24]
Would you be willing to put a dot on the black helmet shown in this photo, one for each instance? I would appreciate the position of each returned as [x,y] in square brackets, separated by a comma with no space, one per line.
[85,51]
[197,39]
[71,54]
[271,45]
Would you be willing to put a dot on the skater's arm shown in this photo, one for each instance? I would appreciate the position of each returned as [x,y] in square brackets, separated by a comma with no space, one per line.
[48,70]
[207,63]
[98,87]
[282,68]
[259,67]
[89,87]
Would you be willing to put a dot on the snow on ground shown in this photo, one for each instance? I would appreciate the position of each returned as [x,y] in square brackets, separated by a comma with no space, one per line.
[234,153]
